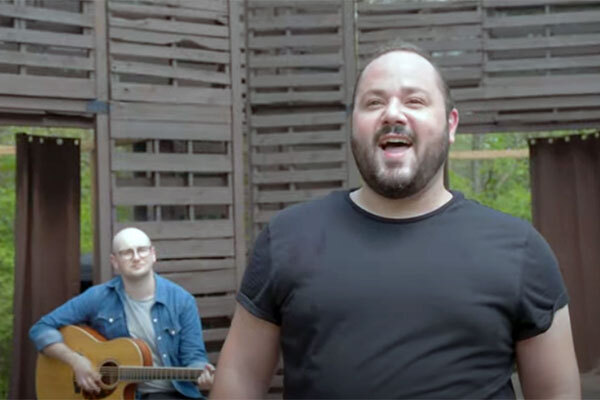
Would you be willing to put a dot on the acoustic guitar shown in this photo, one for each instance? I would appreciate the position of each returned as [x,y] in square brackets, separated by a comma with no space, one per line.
[122,362]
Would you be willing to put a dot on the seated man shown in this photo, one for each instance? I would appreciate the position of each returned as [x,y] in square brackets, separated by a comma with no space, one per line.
[138,304]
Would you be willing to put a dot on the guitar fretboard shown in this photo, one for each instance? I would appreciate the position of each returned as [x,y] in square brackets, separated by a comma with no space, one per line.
[139,374]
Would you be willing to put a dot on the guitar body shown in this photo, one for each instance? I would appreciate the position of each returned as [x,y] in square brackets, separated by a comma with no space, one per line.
[56,380]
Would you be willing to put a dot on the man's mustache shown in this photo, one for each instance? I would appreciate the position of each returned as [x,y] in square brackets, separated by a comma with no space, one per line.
[397,129]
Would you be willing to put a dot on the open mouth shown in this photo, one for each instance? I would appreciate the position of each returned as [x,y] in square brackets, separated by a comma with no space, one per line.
[394,143]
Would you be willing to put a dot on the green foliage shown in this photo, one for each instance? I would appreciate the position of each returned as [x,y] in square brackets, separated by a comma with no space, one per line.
[501,183]
[7,215]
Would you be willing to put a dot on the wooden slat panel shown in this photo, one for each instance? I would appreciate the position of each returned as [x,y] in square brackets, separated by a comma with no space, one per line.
[262,217]
[169,130]
[182,229]
[138,10]
[268,23]
[298,119]
[423,33]
[296,80]
[177,27]
[170,112]
[531,103]
[289,196]
[528,3]
[215,306]
[542,42]
[318,175]
[300,97]
[587,86]
[170,94]
[162,52]
[209,5]
[198,75]
[301,4]
[524,64]
[206,282]
[215,334]
[47,60]
[294,41]
[171,196]
[303,157]
[421,6]
[579,17]
[296,61]
[47,38]
[299,138]
[188,248]
[135,35]
[48,86]
[391,21]
[122,161]
[190,265]
[43,104]
[46,15]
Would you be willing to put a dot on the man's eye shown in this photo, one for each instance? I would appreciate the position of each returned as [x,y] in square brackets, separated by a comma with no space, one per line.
[416,101]
[373,102]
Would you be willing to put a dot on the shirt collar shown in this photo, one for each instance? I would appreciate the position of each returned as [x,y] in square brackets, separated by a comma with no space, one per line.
[160,294]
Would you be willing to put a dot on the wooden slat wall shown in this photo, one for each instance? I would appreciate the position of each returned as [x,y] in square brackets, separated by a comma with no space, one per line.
[176,131]
[47,56]
[541,67]
[514,65]
[300,54]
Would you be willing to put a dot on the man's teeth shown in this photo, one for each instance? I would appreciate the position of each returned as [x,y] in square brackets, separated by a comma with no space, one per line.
[395,142]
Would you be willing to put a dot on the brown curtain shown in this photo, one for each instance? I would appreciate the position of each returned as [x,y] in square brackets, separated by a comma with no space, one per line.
[46,243]
[565,183]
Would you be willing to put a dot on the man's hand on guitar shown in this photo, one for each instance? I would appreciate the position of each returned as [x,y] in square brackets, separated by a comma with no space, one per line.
[206,378]
[85,374]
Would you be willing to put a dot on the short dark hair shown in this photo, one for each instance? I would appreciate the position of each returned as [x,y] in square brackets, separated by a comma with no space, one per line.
[400,45]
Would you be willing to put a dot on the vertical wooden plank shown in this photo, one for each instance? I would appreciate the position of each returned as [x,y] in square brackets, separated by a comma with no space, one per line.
[103,214]
[237,138]
[350,57]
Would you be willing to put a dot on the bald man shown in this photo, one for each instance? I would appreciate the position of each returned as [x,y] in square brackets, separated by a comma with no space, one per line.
[136,303]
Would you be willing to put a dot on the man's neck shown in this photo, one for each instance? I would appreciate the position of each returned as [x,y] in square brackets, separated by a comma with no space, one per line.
[426,201]
[142,288]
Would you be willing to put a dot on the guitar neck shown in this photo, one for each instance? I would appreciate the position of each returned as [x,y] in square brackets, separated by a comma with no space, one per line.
[141,374]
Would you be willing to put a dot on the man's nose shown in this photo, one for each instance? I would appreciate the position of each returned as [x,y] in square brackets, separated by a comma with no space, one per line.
[395,113]
[136,255]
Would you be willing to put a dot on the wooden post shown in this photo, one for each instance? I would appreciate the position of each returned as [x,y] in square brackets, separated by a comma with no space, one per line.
[348,33]
[103,212]
[237,138]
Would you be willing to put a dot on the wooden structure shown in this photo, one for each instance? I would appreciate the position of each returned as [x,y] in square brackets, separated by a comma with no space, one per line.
[300,75]
[171,87]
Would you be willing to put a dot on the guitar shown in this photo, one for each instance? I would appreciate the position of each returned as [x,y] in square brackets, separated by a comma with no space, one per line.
[122,362]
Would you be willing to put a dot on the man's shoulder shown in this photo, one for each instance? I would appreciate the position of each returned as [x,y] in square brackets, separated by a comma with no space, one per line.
[170,287]
[481,213]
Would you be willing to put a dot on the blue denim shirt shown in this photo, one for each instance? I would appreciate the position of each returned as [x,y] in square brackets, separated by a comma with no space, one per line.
[101,307]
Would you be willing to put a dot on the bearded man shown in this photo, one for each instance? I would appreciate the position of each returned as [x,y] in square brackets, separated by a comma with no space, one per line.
[400,288]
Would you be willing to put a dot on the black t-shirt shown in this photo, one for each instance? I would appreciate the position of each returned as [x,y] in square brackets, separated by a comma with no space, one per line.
[424,307]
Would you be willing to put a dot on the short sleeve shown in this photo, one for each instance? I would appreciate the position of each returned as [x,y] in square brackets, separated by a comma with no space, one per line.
[256,291]
[542,288]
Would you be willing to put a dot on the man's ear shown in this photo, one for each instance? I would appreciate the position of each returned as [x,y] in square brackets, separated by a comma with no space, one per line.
[153,252]
[452,124]
[115,264]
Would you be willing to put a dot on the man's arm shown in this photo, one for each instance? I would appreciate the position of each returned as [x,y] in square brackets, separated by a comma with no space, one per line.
[547,364]
[248,358]
[85,374]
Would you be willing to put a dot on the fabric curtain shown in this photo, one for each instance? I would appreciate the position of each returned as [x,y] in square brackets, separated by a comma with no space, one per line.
[46,243]
[565,184]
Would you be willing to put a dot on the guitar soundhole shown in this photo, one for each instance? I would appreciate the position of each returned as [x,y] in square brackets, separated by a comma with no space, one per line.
[109,371]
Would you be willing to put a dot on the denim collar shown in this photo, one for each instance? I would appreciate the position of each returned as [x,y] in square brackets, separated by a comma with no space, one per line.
[160,293]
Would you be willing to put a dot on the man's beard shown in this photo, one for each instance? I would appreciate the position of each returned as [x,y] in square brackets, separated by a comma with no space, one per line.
[385,181]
